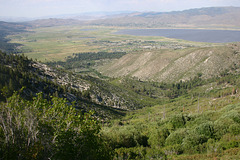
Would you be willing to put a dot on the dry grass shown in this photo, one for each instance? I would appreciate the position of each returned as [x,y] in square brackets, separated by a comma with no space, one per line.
[174,65]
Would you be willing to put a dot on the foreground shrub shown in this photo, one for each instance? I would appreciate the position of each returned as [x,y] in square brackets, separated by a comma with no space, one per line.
[234,129]
[158,137]
[206,129]
[42,129]
[130,153]
[177,121]
[173,150]
[176,137]
[193,143]
[155,153]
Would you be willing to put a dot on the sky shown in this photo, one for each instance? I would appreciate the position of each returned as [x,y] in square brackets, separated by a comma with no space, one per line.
[41,8]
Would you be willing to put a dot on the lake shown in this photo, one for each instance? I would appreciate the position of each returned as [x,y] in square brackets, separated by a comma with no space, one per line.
[198,35]
[88,29]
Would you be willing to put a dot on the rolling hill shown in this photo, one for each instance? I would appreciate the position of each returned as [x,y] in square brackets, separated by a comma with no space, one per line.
[53,22]
[212,17]
[174,65]
[6,29]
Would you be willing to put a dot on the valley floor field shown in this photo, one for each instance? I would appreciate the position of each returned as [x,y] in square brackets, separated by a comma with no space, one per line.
[56,43]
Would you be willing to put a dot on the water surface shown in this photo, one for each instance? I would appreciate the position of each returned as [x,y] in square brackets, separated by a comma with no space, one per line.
[198,35]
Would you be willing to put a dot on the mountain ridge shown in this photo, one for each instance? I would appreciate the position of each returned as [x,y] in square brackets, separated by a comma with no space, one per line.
[215,17]
[208,17]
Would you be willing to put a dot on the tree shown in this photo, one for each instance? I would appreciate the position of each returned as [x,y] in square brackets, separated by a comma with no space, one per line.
[42,129]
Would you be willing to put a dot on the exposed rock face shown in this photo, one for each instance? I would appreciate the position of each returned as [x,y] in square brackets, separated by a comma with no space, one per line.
[63,78]
[96,88]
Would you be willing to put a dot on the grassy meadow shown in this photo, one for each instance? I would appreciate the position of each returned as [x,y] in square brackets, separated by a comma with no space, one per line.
[56,43]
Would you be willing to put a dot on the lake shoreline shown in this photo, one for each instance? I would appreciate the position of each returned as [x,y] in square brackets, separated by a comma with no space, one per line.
[197,35]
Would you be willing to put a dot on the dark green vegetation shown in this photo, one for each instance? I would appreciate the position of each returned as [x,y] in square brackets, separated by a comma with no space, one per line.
[41,129]
[86,61]
[201,123]
[17,71]
[8,29]
[199,118]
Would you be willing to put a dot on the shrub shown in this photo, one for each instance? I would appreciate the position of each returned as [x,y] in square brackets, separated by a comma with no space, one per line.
[192,142]
[206,129]
[234,129]
[42,129]
[177,121]
[173,150]
[214,147]
[130,153]
[158,137]
[118,138]
[155,153]
[221,127]
[176,137]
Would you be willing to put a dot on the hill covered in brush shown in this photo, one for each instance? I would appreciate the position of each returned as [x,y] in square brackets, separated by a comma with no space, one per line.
[175,65]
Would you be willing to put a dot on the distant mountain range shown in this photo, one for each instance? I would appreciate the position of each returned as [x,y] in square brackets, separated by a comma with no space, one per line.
[81,16]
[212,17]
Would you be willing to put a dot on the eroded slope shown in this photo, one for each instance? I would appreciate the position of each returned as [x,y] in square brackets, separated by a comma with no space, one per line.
[175,65]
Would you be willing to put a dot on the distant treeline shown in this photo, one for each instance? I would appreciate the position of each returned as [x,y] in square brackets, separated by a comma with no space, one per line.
[95,56]
[84,60]
[5,46]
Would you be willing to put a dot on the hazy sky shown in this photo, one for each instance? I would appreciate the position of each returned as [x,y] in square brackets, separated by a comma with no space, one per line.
[39,8]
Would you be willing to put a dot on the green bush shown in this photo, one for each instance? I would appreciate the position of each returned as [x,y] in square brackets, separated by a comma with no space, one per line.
[230,141]
[177,121]
[119,139]
[130,153]
[155,153]
[221,127]
[192,142]
[158,137]
[214,146]
[42,129]
[234,129]
[206,129]
[173,150]
[176,137]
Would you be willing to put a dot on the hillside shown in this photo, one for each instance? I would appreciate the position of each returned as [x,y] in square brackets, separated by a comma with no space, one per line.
[107,97]
[53,22]
[194,119]
[20,73]
[175,65]
[9,29]
[201,124]
[213,17]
